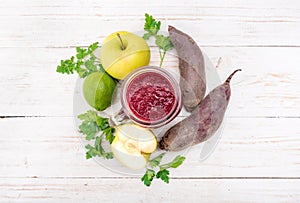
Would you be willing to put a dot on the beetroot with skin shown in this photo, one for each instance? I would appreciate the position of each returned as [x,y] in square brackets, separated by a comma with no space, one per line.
[203,122]
[191,66]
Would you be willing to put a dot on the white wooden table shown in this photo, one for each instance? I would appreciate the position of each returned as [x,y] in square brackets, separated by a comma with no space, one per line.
[258,157]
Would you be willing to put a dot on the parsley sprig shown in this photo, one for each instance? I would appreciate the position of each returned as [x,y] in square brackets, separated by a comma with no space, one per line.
[90,126]
[84,62]
[163,172]
[164,43]
[151,26]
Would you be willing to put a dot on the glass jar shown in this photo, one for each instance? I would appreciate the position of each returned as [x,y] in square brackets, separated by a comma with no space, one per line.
[150,96]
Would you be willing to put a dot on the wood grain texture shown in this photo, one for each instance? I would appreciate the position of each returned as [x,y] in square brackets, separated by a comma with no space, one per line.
[258,156]
[130,190]
[236,23]
[64,32]
[50,147]
[31,86]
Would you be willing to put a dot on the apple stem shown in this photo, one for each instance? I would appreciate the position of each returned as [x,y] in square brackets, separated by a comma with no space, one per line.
[122,44]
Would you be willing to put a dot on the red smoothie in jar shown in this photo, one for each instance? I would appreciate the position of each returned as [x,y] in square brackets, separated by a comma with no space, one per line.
[151,96]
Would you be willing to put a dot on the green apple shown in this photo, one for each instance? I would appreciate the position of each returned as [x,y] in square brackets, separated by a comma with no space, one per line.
[98,89]
[133,145]
[122,52]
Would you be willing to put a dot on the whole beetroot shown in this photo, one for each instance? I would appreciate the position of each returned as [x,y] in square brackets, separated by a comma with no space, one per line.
[191,66]
[202,123]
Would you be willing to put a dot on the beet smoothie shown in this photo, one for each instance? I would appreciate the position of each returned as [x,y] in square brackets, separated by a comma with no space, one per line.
[151,97]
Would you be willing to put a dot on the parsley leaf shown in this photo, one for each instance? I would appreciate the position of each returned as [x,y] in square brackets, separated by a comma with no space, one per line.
[89,116]
[98,150]
[102,123]
[177,161]
[87,155]
[163,175]
[85,63]
[164,43]
[66,66]
[93,47]
[109,134]
[92,151]
[98,146]
[81,53]
[156,161]
[89,129]
[151,26]
[173,164]
[90,64]
[90,126]
[147,36]
[148,177]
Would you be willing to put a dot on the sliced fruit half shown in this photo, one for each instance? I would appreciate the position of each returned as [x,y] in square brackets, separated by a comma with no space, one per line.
[133,145]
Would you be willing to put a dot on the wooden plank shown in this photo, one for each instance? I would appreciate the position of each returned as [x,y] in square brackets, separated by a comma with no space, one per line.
[60,23]
[77,31]
[257,159]
[52,5]
[132,190]
[267,86]
[249,147]
[132,8]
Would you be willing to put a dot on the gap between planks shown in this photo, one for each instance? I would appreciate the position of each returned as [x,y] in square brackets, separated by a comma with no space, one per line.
[41,116]
[208,46]
[138,177]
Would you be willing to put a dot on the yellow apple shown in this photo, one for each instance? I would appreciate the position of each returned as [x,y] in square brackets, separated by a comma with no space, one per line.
[133,145]
[122,52]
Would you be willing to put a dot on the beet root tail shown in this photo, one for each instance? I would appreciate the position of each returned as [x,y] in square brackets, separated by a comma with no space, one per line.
[231,75]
